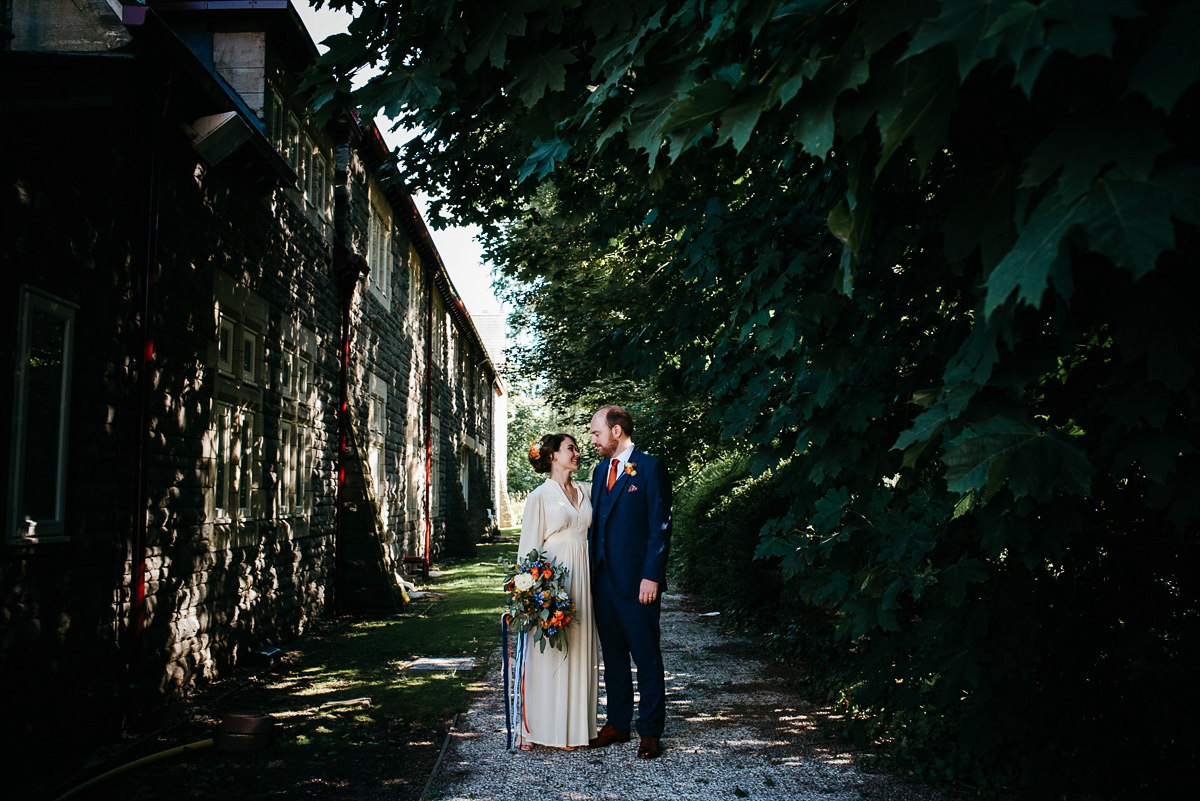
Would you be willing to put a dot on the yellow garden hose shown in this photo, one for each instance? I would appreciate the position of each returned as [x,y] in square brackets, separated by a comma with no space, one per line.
[137,763]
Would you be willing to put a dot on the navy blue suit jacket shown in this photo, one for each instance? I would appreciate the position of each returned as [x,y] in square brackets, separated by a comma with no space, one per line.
[635,520]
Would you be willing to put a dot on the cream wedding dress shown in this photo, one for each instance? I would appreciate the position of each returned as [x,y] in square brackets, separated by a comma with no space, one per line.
[561,687]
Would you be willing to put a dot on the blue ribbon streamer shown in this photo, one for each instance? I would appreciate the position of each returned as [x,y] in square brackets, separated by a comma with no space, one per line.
[507,697]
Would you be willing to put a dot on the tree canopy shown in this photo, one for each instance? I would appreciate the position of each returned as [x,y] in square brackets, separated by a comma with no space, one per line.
[926,261]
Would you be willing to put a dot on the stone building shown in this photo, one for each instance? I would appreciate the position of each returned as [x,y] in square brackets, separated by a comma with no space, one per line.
[493,329]
[244,392]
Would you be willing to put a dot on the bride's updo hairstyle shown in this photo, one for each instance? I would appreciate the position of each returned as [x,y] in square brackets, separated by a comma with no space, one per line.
[540,452]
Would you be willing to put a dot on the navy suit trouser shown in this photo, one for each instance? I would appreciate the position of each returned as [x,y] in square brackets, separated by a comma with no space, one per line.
[629,628]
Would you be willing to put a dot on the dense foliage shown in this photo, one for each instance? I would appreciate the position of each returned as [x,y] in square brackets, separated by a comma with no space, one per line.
[927,261]
[528,419]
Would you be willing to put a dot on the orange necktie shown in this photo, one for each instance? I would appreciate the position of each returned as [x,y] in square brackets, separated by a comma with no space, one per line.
[612,473]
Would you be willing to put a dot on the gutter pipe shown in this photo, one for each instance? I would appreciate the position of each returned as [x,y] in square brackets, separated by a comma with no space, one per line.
[351,267]
[427,556]
[139,537]
[348,268]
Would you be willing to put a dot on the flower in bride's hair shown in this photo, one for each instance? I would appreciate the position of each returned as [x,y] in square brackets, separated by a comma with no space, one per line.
[535,450]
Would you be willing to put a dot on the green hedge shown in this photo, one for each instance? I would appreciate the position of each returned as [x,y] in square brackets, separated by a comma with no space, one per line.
[718,514]
[1043,718]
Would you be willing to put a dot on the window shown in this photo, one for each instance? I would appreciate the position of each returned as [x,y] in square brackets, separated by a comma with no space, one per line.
[291,145]
[244,453]
[294,466]
[42,406]
[285,487]
[435,469]
[308,182]
[234,452]
[225,339]
[414,282]
[233,444]
[319,195]
[439,330]
[250,357]
[376,432]
[287,374]
[294,447]
[304,466]
[379,243]
[275,123]
[455,357]
[222,460]
[464,473]
[303,372]
[416,463]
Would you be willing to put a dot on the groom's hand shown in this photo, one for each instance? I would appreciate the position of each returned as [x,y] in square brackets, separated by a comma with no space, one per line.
[648,592]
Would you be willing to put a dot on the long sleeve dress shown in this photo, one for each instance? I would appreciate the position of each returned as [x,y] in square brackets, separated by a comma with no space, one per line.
[562,687]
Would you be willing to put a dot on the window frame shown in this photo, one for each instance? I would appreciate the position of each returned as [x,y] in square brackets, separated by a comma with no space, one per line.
[377,442]
[23,528]
[246,453]
[414,282]
[227,325]
[291,143]
[294,440]
[275,123]
[320,183]
[286,488]
[250,349]
[379,242]
[222,460]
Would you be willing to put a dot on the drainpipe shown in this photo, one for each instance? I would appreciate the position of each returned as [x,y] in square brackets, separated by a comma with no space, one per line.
[425,560]
[138,539]
[350,267]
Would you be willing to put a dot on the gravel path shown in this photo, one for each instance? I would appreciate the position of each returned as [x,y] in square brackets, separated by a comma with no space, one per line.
[732,732]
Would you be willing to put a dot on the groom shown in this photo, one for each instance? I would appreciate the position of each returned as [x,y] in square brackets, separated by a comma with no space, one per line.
[629,541]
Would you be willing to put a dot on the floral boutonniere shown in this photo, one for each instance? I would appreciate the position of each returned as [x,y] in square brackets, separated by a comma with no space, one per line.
[631,469]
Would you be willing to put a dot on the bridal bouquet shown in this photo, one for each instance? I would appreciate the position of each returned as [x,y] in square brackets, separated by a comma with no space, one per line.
[538,599]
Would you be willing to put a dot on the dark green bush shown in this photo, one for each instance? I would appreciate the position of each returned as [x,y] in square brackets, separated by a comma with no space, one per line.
[719,513]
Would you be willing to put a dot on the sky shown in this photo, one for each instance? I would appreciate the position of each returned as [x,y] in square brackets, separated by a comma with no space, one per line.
[462,255]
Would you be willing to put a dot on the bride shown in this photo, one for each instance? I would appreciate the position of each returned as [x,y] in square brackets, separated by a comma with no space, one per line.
[561,687]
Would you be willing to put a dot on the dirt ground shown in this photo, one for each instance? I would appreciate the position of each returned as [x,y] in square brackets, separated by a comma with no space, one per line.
[366,758]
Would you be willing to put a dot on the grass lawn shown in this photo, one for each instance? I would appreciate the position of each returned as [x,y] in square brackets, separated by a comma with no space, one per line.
[367,659]
[350,722]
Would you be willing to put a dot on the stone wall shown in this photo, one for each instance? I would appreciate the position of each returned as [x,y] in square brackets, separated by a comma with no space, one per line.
[67,232]
[228,444]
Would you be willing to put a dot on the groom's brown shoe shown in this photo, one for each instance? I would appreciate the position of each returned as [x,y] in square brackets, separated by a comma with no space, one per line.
[649,748]
[607,736]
